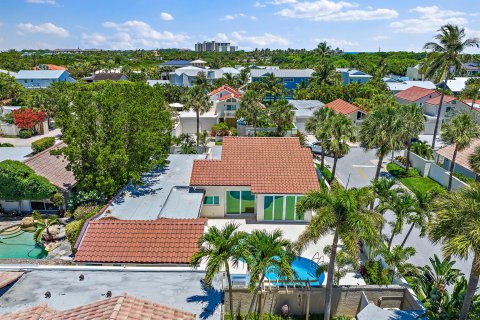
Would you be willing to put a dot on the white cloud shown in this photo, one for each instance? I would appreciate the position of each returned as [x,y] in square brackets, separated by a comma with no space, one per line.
[52,2]
[338,43]
[47,28]
[133,34]
[259,5]
[166,16]
[253,18]
[380,38]
[278,2]
[328,10]
[242,39]
[429,20]
[237,16]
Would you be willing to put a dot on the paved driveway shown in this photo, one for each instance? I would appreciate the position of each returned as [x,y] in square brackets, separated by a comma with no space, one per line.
[19,142]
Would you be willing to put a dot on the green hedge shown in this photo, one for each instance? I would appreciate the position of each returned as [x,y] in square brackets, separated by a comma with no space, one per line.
[398,172]
[6,144]
[85,212]
[72,231]
[25,134]
[42,144]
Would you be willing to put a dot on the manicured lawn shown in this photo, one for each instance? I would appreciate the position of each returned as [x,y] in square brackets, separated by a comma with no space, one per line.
[422,184]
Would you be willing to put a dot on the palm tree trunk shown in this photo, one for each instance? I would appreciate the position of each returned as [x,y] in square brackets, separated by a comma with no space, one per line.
[230,293]
[471,288]
[335,158]
[330,276]
[452,166]
[407,235]
[198,125]
[252,303]
[255,125]
[379,166]
[322,155]
[409,145]
[391,239]
[437,121]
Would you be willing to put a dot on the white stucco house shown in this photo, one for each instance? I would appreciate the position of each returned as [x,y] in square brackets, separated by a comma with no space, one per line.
[260,178]
[303,110]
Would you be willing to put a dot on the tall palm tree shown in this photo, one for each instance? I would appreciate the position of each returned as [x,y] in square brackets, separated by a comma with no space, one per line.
[382,129]
[42,225]
[384,190]
[281,114]
[402,205]
[422,149]
[474,160]
[196,99]
[343,212]
[323,49]
[264,251]
[420,217]
[202,81]
[455,226]
[243,77]
[273,86]
[317,125]
[471,91]
[413,123]
[252,106]
[445,58]
[342,130]
[325,73]
[460,130]
[396,258]
[219,247]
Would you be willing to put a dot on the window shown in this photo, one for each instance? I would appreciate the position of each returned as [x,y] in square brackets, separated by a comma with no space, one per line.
[268,208]
[240,202]
[231,107]
[278,210]
[290,208]
[282,208]
[233,202]
[300,216]
[287,79]
[211,200]
[248,202]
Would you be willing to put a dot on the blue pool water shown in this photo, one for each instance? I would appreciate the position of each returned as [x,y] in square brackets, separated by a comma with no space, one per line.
[304,269]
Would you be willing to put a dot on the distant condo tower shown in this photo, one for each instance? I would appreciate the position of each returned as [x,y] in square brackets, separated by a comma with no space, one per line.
[212,46]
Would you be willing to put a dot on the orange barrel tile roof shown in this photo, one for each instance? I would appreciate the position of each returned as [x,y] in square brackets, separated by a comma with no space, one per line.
[267,165]
[414,93]
[342,106]
[115,308]
[224,87]
[9,277]
[436,101]
[462,156]
[163,241]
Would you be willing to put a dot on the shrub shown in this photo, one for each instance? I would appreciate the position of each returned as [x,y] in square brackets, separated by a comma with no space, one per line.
[373,274]
[42,144]
[402,160]
[85,212]
[6,144]
[233,131]
[463,177]
[399,172]
[220,129]
[72,231]
[85,198]
[25,133]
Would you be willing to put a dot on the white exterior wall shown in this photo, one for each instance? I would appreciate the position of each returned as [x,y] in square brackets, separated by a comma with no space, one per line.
[189,125]
[221,106]
[419,102]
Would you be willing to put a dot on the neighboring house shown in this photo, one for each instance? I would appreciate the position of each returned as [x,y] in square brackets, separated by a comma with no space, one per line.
[187,122]
[353,76]
[347,109]
[10,73]
[199,63]
[226,101]
[471,69]
[261,178]
[110,241]
[154,82]
[416,95]
[462,165]
[186,76]
[42,78]
[413,73]
[54,169]
[176,63]
[119,307]
[400,85]
[303,110]
[114,76]
[11,129]
[226,70]
[456,85]
[290,78]
[48,67]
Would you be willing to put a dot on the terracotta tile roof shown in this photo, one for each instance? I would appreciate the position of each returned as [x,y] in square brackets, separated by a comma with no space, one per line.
[462,156]
[224,87]
[267,165]
[49,67]
[122,307]
[7,278]
[52,167]
[231,95]
[163,241]
[436,101]
[341,106]
[414,93]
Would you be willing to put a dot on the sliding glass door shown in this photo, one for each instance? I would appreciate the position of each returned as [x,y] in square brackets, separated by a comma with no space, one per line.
[239,202]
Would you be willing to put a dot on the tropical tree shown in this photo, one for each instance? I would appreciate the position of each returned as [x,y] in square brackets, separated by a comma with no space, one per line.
[318,125]
[455,226]
[460,130]
[219,248]
[273,86]
[281,114]
[202,81]
[396,259]
[344,263]
[385,191]
[325,73]
[413,123]
[343,212]
[42,225]
[402,206]
[420,217]
[382,129]
[323,49]
[251,106]
[342,131]
[444,59]
[422,149]
[266,251]
[474,160]
[471,91]
[196,99]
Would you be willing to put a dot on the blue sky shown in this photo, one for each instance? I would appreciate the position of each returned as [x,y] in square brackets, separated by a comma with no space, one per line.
[148,24]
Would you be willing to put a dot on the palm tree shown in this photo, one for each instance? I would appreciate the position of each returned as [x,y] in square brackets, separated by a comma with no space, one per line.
[219,247]
[281,114]
[396,259]
[252,106]
[324,49]
[455,226]
[445,55]
[422,149]
[343,212]
[273,86]
[264,251]
[471,91]
[342,130]
[461,130]
[317,124]
[42,225]
[196,99]
[382,129]
[202,81]
[474,160]
[402,205]
[419,218]
[413,123]
[325,73]
[384,191]
[243,77]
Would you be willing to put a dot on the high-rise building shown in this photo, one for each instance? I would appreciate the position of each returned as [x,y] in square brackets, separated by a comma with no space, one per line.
[213,46]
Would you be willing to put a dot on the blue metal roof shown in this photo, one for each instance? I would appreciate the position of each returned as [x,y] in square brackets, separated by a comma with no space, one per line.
[39,74]
[176,63]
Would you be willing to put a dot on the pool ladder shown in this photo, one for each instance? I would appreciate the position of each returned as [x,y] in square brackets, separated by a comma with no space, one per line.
[318,259]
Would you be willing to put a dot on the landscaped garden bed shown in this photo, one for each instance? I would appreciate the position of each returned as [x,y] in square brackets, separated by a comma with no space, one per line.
[413,180]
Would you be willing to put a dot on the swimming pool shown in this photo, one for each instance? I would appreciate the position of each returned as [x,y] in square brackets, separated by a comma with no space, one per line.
[16,243]
[304,269]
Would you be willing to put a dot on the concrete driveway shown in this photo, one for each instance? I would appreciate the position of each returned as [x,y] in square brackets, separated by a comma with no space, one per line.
[19,142]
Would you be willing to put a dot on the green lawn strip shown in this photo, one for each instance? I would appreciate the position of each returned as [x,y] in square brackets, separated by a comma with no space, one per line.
[422,184]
